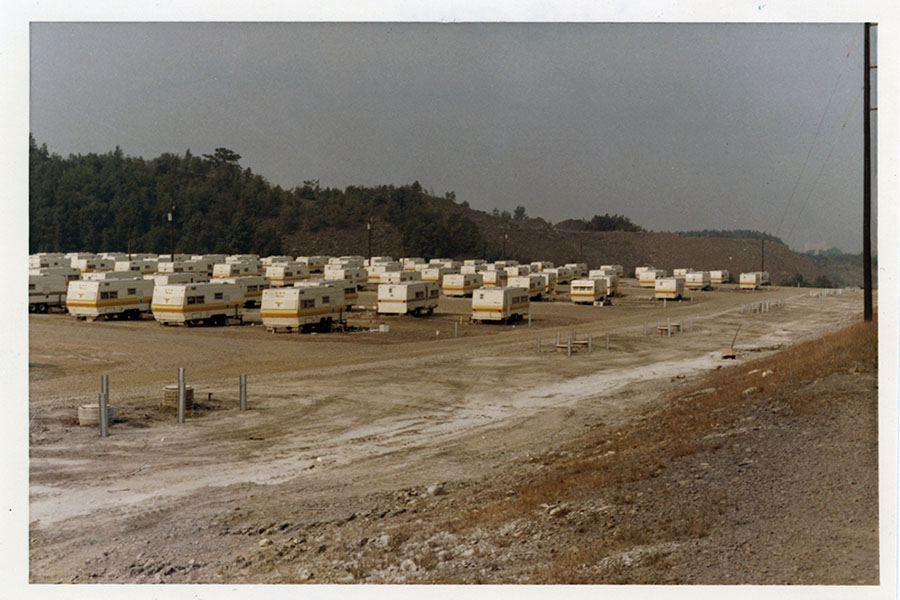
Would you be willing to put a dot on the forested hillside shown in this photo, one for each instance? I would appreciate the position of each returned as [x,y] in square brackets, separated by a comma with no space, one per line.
[101,202]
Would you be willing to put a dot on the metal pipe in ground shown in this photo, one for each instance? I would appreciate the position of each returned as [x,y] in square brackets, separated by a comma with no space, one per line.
[607,341]
[103,402]
[569,349]
[181,395]
[455,328]
[243,387]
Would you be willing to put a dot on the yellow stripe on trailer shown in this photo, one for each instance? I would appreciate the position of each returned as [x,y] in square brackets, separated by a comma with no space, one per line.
[107,302]
[293,312]
[498,308]
[166,308]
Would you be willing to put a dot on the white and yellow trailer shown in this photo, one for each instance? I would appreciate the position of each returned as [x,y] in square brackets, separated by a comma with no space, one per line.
[315,264]
[539,265]
[579,270]
[252,287]
[376,271]
[140,267]
[400,276]
[475,262]
[409,263]
[211,303]
[282,275]
[44,260]
[461,284]
[719,276]
[648,277]
[500,265]
[279,259]
[503,304]
[519,270]
[109,298]
[46,292]
[234,269]
[495,278]
[618,269]
[177,278]
[535,284]
[612,283]
[354,261]
[436,273]
[682,272]
[88,265]
[303,307]
[698,280]
[588,291]
[67,273]
[417,298]
[347,287]
[668,288]
[750,281]
[563,274]
[549,277]
[358,275]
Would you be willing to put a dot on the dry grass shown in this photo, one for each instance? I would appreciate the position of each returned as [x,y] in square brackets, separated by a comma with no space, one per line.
[607,462]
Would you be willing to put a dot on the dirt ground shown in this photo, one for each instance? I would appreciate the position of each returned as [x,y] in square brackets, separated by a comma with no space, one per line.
[360,446]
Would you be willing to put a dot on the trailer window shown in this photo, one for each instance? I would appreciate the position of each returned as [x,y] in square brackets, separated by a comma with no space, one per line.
[31,286]
[420,295]
[307,303]
[132,292]
[109,295]
[218,295]
[195,299]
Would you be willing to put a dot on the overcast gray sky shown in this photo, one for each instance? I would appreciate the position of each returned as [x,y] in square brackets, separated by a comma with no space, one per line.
[677,126]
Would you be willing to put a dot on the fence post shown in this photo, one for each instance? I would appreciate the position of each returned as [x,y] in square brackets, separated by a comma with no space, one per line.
[529,319]
[181,400]
[104,404]
[569,350]
[607,341]
[590,344]
[243,388]
[455,329]
[557,338]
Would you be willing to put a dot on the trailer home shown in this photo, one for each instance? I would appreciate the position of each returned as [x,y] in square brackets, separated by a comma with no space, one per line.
[278,259]
[356,262]
[720,276]
[358,275]
[539,265]
[519,270]
[698,280]
[315,264]
[400,276]
[376,271]
[101,275]
[495,278]
[89,265]
[409,263]
[503,304]
[471,269]
[345,286]
[234,269]
[46,292]
[461,284]
[563,274]
[549,278]
[474,262]
[750,281]
[44,260]
[535,284]
[668,288]
[252,286]
[579,270]
[612,284]
[682,272]
[141,267]
[500,265]
[286,275]
[67,273]
[416,298]
[301,308]
[647,278]
[436,274]
[197,303]
[617,269]
[123,298]
[176,278]
[588,291]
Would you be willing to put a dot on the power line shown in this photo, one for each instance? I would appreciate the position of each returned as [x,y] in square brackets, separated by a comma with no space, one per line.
[815,137]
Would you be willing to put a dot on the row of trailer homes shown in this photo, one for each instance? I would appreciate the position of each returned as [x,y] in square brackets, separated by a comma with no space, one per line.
[315,292]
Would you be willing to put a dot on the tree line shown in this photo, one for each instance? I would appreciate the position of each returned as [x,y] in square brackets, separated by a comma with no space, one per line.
[101,202]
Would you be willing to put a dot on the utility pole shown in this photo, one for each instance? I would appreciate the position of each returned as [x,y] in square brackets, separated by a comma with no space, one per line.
[867,178]
[369,231]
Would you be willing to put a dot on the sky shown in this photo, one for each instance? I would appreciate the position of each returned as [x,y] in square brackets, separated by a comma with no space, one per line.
[676,126]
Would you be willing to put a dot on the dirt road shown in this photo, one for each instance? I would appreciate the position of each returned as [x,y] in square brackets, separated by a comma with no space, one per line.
[335,418]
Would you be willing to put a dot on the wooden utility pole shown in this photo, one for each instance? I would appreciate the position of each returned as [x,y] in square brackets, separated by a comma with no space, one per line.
[867,180]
